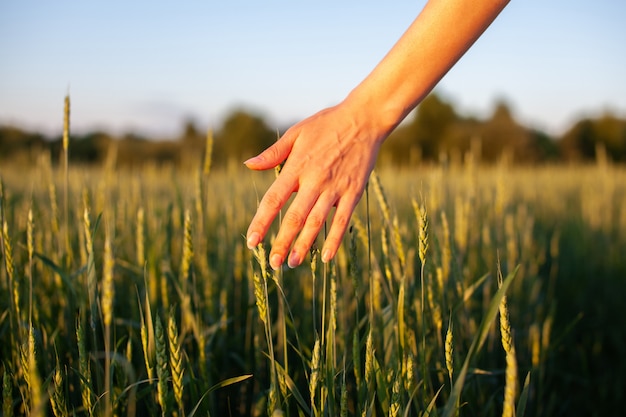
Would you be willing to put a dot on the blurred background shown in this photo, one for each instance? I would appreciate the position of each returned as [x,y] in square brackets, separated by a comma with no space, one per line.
[546,81]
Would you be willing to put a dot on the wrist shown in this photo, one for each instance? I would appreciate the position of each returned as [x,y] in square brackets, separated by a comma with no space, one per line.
[373,113]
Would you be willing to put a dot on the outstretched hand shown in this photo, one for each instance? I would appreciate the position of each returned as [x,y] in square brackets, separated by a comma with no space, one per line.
[329,156]
[327,161]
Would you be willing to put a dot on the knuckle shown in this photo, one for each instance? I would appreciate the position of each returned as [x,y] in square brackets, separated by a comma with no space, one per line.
[340,222]
[293,219]
[315,221]
[272,201]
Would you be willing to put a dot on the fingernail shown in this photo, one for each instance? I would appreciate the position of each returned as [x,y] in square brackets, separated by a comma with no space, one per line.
[294,260]
[252,160]
[326,256]
[276,261]
[253,240]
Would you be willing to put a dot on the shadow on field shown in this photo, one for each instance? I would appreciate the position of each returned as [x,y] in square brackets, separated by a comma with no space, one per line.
[587,375]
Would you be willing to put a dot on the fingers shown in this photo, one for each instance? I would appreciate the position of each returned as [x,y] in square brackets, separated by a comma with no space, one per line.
[341,220]
[297,218]
[301,224]
[312,227]
[304,218]
[314,223]
[273,155]
[271,203]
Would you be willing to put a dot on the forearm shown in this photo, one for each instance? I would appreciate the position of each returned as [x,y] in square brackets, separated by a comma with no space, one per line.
[435,41]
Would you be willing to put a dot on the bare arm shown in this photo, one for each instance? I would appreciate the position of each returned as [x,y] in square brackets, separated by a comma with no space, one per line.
[329,156]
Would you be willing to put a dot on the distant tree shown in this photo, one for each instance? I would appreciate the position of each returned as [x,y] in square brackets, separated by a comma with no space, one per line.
[241,136]
[191,133]
[610,131]
[581,141]
[547,147]
[502,134]
[433,119]
[13,139]
[90,148]
[422,137]
[20,146]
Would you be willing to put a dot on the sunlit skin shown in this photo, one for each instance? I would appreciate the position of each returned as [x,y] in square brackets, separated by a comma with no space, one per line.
[329,156]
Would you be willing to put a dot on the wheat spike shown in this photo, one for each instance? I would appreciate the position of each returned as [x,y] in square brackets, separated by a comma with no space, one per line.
[420,213]
[394,407]
[272,402]
[259,295]
[162,367]
[31,375]
[91,265]
[141,251]
[446,251]
[510,387]
[449,351]
[145,344]
[66,123]
[260,283]
[10,269]
[187,258]
[57,393]
[369,359]
[409,372]
[176,359]
[108,288]
[84,367]
[54,209]
[315,371]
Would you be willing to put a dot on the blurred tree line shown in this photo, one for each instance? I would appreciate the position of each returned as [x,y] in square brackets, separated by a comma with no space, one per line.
[435,132]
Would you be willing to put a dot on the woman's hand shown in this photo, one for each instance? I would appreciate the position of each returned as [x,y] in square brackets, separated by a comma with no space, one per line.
[329,156]
[327,161]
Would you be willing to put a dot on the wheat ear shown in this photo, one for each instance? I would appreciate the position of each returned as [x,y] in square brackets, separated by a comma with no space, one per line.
[176,359]
[163,373]
[510,387]
[57,393]
[84,368]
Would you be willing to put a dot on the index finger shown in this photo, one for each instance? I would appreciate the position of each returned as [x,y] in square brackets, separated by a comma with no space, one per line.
[272,202]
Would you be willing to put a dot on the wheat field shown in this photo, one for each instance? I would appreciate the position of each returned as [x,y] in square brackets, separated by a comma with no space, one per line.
[459,291]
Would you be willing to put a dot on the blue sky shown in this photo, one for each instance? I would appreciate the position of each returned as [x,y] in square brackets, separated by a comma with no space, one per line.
[144,66]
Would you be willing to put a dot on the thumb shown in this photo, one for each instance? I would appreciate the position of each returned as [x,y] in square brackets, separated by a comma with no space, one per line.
[272,156]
